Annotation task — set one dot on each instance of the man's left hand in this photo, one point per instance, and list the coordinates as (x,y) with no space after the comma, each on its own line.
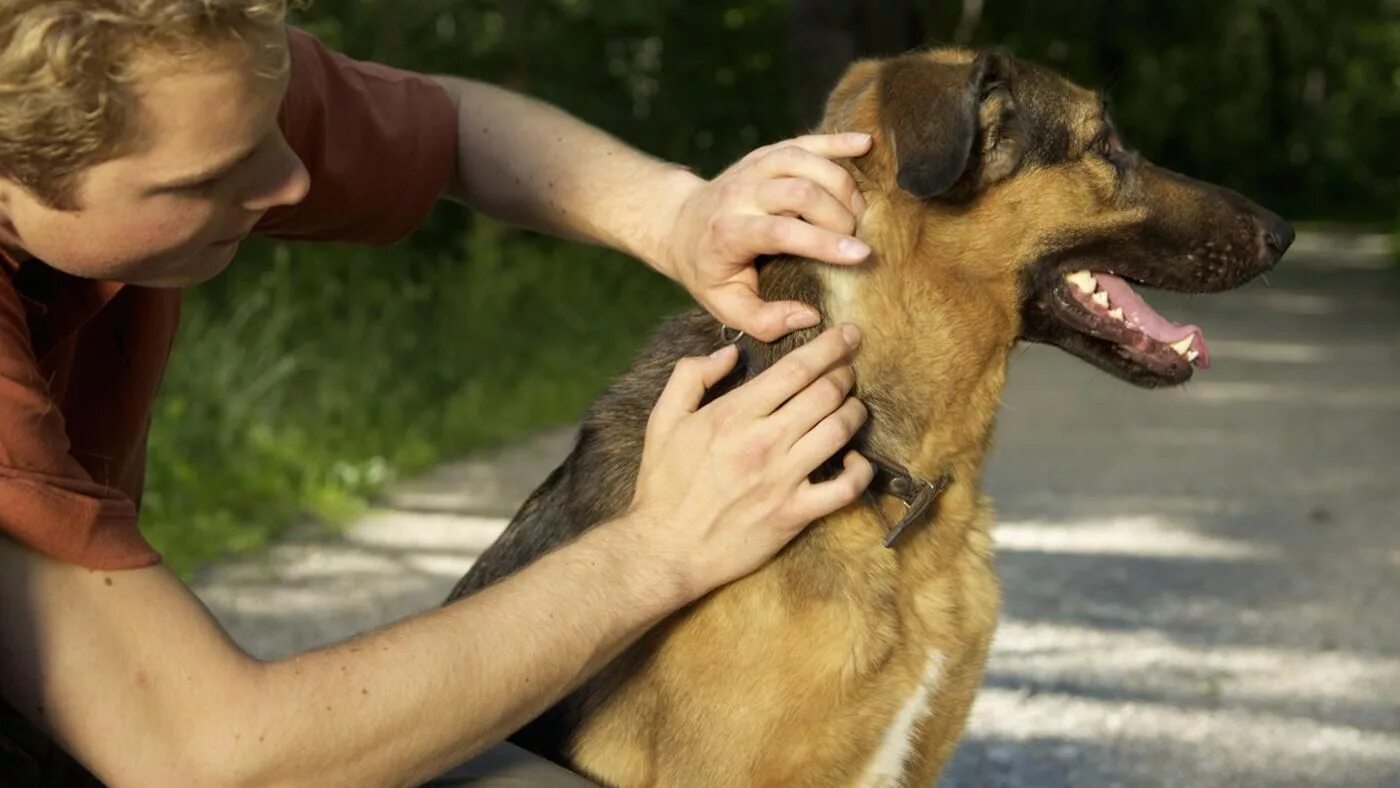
(786,198)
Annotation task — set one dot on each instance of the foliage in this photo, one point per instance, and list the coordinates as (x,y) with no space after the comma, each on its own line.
(300,385)
(1295,104)
(306,377)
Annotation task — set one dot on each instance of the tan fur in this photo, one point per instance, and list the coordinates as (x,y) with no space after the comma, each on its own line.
(791,676)
(938,306)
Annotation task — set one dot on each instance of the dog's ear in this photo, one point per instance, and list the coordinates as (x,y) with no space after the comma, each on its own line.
(930,110)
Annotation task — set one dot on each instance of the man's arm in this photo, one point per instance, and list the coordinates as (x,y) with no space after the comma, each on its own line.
(131,672)
(533,165)
(132,675)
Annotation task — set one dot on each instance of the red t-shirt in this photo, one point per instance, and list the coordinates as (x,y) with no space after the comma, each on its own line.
(81,360)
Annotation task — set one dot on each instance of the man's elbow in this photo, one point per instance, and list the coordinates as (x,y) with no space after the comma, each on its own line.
(456,188)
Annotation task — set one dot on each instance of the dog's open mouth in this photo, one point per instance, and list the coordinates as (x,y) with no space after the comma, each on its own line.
(1105,306)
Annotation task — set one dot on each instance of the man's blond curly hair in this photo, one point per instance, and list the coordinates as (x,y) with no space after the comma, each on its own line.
(66,72)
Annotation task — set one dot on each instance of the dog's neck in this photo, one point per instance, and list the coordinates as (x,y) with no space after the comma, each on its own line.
(931,410)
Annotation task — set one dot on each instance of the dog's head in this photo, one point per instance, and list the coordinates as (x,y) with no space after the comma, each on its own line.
(1008,185)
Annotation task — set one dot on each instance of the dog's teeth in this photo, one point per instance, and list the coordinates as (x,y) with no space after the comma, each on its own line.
(1182,345)
(1082,280)
(1192,355)
(1116,313)
(1101,298)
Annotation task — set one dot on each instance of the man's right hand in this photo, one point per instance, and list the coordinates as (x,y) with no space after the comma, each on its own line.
(722,488)
(129,672)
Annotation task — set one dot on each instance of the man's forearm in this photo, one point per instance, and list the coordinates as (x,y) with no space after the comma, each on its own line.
(533,165)
(395,706)
(443,686)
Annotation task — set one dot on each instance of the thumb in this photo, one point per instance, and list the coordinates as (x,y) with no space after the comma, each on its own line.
(691,378)
(739,307)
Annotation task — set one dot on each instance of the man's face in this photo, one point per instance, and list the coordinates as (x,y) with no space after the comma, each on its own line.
(209,161)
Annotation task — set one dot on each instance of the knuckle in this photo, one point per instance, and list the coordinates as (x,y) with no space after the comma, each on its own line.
(847,222)
(757,153)
(730,191)
(802,192)
(724,229)
(848,185)
(838,431)
(856,414)
(862,412)
(831,391)
(777,231)
(752,453)
(686,367)
(715,226)
(867,470)
(825,349)
(790,153)
(795,371)
(721,414)
(846,377)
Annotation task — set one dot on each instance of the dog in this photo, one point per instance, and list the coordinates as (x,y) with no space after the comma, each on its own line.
(1002,207)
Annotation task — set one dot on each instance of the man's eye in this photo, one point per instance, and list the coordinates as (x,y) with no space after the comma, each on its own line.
(203,187)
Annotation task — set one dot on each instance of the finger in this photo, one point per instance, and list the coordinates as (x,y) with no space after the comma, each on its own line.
(799,415)
(796,371)
(815,501)
(793,160)
(801,197)
(739,307)
(825,439)
(835,146)
(689,381)
(832,146)
(748,237)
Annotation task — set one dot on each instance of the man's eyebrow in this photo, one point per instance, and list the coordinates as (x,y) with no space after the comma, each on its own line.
(211,174)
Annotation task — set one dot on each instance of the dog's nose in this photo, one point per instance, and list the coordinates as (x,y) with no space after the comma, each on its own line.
(1278,234)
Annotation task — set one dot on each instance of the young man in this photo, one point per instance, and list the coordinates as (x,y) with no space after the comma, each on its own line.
(139,142)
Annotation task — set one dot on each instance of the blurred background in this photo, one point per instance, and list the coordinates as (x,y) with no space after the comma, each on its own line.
(1201,584)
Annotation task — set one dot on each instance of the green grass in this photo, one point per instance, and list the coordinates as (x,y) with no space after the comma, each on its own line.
(307,377)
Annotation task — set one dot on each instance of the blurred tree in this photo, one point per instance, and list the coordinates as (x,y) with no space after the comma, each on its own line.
(828,35)
(1296,103)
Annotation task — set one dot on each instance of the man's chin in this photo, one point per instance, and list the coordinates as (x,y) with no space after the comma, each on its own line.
(195,270)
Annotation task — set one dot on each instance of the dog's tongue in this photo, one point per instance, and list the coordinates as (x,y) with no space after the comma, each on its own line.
(1144,318)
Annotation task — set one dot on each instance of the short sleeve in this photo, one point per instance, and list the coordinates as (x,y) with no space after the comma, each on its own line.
(379,144)
(48,502)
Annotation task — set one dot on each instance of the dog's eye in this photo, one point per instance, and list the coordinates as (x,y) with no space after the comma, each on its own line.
(1106,147)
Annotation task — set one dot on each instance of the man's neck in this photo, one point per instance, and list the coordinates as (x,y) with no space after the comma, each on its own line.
(10,248)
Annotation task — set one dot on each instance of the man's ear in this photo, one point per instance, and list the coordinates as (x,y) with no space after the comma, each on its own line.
(930,110)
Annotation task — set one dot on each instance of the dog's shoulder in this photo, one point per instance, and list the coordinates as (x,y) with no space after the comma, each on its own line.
(595,482)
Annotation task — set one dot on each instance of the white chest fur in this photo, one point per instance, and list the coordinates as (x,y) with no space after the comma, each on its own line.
(886,767)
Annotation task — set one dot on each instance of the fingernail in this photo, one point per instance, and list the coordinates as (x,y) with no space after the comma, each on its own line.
(851,334)
(857,138)
(854,249)
(721,352)
(803,319)
(859,202)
